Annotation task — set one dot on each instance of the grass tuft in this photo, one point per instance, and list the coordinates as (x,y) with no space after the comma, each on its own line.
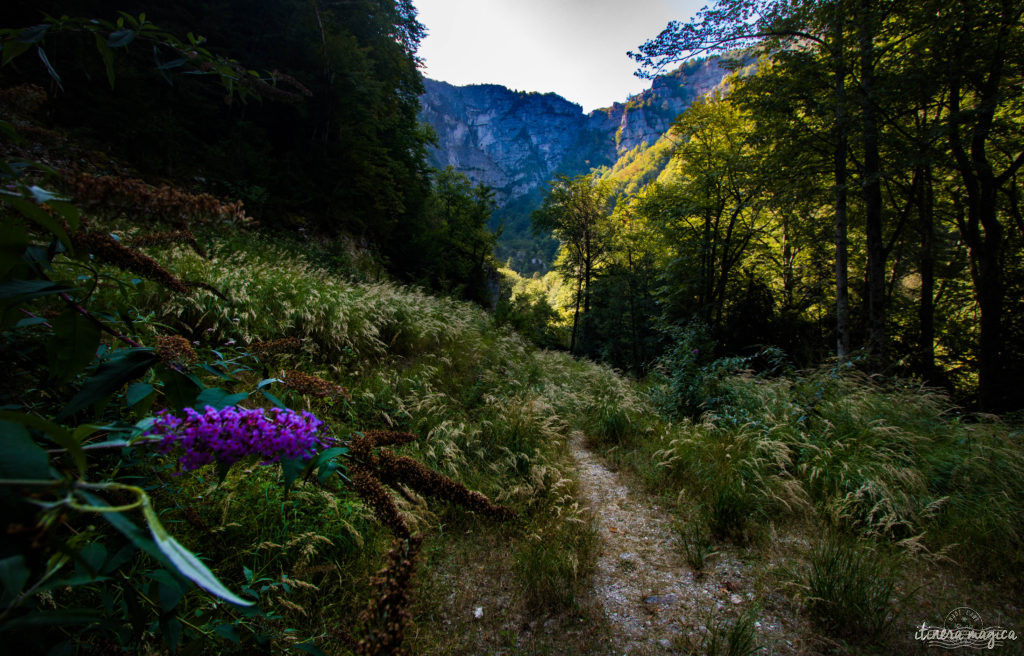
(851,590)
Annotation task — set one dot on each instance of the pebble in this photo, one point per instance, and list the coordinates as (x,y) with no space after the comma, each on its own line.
(662,599)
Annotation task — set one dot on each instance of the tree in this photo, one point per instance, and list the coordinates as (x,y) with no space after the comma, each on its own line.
(774,25)
(984,53)
(710,210)
(576,212)
(349,158)
(452,247)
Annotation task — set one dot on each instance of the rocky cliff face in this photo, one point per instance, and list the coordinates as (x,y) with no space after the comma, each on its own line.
(511,141)
(515,142)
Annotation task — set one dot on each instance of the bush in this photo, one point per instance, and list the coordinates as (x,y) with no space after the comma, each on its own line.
(688,376)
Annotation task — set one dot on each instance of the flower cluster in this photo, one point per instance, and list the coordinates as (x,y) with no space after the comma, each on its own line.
(168,238)
(23,99)
(387,616)
(228,434)
(282,345)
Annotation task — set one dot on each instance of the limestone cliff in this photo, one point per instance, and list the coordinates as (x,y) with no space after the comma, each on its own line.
(515,142)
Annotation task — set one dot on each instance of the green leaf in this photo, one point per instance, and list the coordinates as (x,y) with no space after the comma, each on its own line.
(218,398)
(13,577)
(42,195)
(20,456)
(126,365)
(108,57)
(179,389)
(128,529)
(37,214)
(93,556)
(291,468)
(22,290)
(185,562)
(227,631)
(325,462)
(273,399)
(137,392)
(50,68)
(218,373)
(309,648)
(73,345)
(120,38)
(53,617)
(33,34)
(13,48)
(169,596)
(13,240)
(174,63)
(58,434)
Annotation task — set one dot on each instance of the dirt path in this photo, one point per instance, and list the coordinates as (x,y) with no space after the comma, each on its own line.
(653,601)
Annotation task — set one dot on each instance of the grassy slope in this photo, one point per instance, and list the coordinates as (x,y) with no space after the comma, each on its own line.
(492,413)
(903,483)
(892,506)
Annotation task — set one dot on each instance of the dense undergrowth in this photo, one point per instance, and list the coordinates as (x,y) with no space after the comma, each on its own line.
(269,315)
(887,475)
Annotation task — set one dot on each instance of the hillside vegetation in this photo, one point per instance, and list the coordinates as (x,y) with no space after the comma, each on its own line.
(231,427)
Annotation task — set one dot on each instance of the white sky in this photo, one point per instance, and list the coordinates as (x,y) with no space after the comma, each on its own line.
(576,48)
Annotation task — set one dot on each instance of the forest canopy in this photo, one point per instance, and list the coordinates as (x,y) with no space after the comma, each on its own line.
(346,155)
(856,193)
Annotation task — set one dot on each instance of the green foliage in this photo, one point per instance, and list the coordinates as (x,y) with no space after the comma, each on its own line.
(697,544)
(555,578)
(453,247)
(736,638)
(85,387)
(576,212)
(687,378)
(888,461)
(333,146)
(851,590)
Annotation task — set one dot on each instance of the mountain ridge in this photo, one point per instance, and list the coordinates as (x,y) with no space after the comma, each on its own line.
(516,141)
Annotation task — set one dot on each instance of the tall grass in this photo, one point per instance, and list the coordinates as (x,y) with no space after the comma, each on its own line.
(491,412)
(895,462)
(851,590)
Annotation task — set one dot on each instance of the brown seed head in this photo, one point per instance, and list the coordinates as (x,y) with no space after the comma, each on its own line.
(175,349)
(312,385)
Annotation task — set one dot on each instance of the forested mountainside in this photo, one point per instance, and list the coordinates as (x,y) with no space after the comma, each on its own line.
(515,142)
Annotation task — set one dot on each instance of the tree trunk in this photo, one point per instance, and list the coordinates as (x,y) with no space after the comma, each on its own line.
(872,185)
(576,313)
(840,173)
(926,267)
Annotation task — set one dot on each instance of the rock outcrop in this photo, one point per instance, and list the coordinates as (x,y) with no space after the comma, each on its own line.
(515,142)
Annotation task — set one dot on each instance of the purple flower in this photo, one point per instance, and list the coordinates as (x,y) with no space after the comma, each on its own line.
(231,433)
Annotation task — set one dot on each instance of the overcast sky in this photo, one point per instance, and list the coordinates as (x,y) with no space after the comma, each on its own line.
(576,48)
